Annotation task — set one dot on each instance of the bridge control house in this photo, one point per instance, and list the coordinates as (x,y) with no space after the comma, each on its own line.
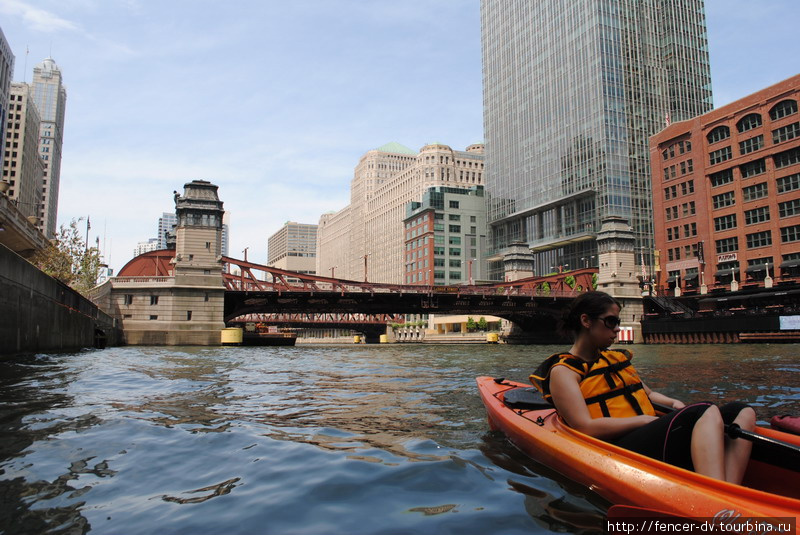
(726,189)
(183,304)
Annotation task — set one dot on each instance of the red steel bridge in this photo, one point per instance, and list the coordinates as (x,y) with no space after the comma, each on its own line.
(261,293)
(282,297)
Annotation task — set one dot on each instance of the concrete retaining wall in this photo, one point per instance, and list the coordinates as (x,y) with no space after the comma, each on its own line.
(38,313)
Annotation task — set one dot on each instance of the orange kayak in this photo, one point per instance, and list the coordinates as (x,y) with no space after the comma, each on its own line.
(627,478)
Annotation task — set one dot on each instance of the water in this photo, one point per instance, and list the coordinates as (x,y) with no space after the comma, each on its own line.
(310,439)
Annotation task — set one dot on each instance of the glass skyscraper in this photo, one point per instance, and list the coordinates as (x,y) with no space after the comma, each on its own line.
(573,89)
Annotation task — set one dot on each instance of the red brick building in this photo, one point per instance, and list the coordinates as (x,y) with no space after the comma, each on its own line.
(726,189)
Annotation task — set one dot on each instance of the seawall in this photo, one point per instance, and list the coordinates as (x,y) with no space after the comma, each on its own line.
(39,313)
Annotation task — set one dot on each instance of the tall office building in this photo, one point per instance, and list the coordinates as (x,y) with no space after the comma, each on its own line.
(23,168)
(50,97)
(166,224)
(6,73)
(573,89)
(366,240)
(294,248)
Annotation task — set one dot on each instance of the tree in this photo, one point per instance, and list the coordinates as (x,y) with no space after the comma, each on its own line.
(69,260)
(483,325)
(471,325)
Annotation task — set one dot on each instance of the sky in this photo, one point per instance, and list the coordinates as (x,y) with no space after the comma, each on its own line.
(276,102)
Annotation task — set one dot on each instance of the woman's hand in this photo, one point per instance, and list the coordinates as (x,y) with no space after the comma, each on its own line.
(677,404)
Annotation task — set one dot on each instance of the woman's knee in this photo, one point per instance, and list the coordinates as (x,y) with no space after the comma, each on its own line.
(746,419)
(711,419)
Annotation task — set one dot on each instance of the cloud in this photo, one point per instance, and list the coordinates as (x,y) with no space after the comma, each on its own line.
(36,18)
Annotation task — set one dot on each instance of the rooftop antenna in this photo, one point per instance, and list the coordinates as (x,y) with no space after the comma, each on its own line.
(25,70)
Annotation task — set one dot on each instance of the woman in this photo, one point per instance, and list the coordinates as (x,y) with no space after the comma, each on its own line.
(598,392)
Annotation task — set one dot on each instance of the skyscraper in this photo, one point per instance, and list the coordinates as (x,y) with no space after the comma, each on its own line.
(573,89)
(23,168)
(50,97)
(6,73)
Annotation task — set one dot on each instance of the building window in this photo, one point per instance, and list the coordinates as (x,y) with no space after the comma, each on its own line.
(785,133)
(728,245)
(723,199)
(789,183)
(782,109)
(453,204)
(455,275)
(455,263)
(153,317)
(454,240)
(721,178)
(759,239)
(153,299)
(753,168)
(438,275)
(789,208)
(188,315)
(748,122)
(790,234)
(718,134)
(454,217)
(789,157)
(758,215)
(455,251)
(725,222)
(128,299)
(454,228)
(720,155)
(753,144)
(752,193)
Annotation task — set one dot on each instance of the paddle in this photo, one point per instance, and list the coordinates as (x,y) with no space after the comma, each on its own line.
(765,449)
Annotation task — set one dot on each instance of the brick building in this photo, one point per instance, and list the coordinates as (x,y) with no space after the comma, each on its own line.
(726,188)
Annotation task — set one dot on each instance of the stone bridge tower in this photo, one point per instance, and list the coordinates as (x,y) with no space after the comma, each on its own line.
(186,305)
(617,274)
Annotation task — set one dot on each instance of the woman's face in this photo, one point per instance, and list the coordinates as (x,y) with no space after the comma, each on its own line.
(602,329)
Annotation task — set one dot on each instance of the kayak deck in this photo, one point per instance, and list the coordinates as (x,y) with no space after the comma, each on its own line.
(625,477)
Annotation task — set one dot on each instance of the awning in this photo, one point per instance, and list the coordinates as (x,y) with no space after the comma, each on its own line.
(755,268)
(726,272)
(691,276)
(672,279)
(790,263)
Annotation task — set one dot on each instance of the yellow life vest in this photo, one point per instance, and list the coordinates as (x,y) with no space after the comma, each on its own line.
(610,385)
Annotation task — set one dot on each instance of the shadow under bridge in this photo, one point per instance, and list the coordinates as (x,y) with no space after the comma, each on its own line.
(533,305)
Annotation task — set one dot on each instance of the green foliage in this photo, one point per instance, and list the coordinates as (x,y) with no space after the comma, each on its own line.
(594,281)
(483,325)
(545,288)
(569,280)
(69,260)
(471,325)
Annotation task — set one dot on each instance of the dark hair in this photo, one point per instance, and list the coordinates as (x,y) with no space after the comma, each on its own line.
(594,304)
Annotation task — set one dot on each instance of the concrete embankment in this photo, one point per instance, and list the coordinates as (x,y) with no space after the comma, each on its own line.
(39,313)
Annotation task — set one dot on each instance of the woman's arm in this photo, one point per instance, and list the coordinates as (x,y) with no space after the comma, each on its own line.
(661,399)
(568,399)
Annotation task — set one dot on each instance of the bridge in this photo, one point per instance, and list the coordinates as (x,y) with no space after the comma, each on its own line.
(254,292)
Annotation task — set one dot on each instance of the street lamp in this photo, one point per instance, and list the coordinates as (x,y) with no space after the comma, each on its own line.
(469,270)
(365,265)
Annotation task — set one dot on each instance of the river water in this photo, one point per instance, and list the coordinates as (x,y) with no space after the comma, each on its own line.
(385,439)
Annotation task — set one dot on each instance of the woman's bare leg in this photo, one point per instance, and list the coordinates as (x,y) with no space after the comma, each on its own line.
(737,451)
(708,444)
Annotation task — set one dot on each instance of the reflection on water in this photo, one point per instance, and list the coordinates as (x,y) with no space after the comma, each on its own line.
(351,439)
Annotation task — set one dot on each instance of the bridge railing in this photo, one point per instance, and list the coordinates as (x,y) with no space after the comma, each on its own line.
(140,280)
(566,284)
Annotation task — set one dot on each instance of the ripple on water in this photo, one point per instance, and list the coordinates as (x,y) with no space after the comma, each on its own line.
(367,440)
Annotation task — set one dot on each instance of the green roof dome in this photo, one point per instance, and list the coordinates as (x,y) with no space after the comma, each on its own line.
(396,148)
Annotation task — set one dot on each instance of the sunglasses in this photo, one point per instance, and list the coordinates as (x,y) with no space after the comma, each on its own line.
(612,322)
